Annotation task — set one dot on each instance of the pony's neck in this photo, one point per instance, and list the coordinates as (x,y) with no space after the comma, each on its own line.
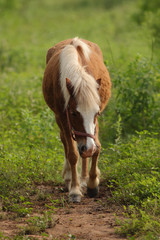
(84,85)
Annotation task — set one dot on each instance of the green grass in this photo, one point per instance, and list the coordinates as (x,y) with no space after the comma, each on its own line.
(131,169)
(30,147)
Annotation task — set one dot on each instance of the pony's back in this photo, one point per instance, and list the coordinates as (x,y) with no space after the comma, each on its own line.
(87,55)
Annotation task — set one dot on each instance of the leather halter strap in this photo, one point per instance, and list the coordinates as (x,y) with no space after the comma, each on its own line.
(75,133)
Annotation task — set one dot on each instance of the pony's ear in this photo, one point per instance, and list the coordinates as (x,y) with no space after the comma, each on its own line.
(69,86)
(99,83)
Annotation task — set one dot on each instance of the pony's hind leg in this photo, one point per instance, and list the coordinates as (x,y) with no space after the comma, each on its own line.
(67,176)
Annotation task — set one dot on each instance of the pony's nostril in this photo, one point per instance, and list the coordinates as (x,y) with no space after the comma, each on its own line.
(83,148)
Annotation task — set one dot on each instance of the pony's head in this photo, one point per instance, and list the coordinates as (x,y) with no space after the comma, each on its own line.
(82,111)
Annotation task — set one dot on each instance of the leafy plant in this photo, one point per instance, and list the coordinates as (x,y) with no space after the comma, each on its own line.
(138,223)
(137,99)
(38,224)
(17,205)
(131,171)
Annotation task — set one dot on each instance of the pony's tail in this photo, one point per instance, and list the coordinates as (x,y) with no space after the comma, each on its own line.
(81,47)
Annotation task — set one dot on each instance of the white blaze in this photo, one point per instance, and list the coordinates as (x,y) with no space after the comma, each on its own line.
(89,125)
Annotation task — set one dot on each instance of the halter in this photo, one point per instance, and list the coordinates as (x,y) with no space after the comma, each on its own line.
(75,133)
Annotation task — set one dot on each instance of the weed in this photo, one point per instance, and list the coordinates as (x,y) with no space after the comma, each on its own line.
(133,177)
(18,206)
(41,196)
(138,223)
(3,237)
(71,237)
(137,97)
(38,224)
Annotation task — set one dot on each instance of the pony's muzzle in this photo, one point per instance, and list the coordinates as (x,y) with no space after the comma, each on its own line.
(85,152)
(82,148)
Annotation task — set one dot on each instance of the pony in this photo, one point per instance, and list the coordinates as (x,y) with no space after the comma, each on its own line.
(77,87)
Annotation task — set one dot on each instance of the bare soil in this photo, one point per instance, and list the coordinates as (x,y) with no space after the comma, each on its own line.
(92,219)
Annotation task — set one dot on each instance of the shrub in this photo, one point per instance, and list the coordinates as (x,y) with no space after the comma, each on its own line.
(131,169)
(137,96)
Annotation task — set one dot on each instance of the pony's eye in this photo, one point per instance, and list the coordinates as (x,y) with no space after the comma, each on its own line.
(74,114)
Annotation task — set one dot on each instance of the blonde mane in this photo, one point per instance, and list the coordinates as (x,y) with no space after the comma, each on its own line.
(85,86)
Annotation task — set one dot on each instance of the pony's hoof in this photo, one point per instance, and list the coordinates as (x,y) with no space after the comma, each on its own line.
(92,192)
(74,198)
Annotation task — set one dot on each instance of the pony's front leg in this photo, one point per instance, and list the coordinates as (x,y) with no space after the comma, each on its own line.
(70,166)
(84,173)
(94,174)
(70,169)
(66,169)
(74,192)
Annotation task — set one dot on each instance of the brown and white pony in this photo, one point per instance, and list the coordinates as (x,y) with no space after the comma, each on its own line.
(77,87)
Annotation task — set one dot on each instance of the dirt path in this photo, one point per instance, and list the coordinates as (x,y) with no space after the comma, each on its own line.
(92,219)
